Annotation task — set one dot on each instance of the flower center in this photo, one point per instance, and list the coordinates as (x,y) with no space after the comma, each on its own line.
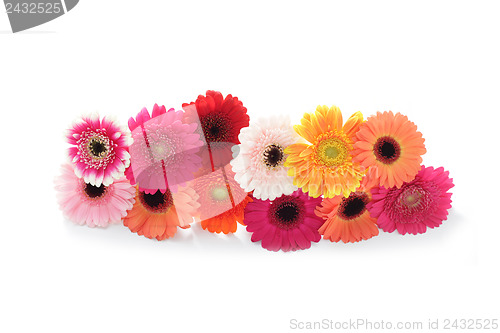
(220,193)
(97,147)
(94,192)
(387,150)
(410,204)
(215,128)
(158,202)
(286,212)
(414,197)
(332,151)
(273,155)
(160,151)
(353,206)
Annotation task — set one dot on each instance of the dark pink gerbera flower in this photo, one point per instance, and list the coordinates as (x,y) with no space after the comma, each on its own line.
(100,150)
(287,223)
(420,204)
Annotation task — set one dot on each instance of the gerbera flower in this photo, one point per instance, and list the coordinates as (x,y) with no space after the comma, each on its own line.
(164,152)
(221,120)
(259,166)
(347,219)
(325,166)
(222,201)
(415,206)
(100,150)
(390,146)
(158,215)
(287,223)
(84,203)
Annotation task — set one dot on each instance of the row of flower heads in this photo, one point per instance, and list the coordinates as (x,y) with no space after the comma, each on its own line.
(287,185)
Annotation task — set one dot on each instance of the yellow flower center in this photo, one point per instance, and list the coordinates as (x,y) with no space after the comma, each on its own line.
(332,152)
(220,193)
(332,149)
(160,151)
(411,197)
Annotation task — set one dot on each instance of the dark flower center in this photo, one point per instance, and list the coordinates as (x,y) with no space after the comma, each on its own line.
(94,191)
(97,147)
(286,212)
(158,202)
(353,206)
(215,128)
(387,150)
(273,155)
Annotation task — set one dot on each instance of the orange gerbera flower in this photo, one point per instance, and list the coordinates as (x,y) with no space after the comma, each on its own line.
(325,167)
(158,215)
(347,219)
(222,201)
(391,147)
(226,222)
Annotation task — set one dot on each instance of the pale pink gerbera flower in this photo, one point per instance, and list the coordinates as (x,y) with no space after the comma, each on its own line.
(419,204)
(84,203)
(258,164)
(99,151)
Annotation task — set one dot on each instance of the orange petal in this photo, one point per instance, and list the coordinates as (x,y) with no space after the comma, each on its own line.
(337,120)
(296,148)
(306,152)
(304,132)
(352,124)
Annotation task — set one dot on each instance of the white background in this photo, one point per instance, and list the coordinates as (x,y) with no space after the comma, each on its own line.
(437,62)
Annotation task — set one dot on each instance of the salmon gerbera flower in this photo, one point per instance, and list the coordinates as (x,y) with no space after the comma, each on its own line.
(158,215)
(222,201)
(415,206)
(347,219)
(325,167)
(391,147)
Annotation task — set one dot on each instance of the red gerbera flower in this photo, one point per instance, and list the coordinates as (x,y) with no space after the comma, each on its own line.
(221,120)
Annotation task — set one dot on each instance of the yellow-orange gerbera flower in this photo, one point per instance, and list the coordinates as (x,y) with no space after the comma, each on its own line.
(347,219)
(158,215)
(391,147)
(325,166)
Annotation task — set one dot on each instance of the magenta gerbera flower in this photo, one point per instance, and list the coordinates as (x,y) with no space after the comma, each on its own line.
(99,151)
(83,203)
(420,204)
(164,152)
(287,223)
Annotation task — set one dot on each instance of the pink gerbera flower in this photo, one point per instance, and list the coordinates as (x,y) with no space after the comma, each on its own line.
(420,204)
(84,203)
(287,223)
(164,152)
(99,151)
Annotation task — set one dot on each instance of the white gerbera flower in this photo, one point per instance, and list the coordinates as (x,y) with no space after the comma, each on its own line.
(258,160)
